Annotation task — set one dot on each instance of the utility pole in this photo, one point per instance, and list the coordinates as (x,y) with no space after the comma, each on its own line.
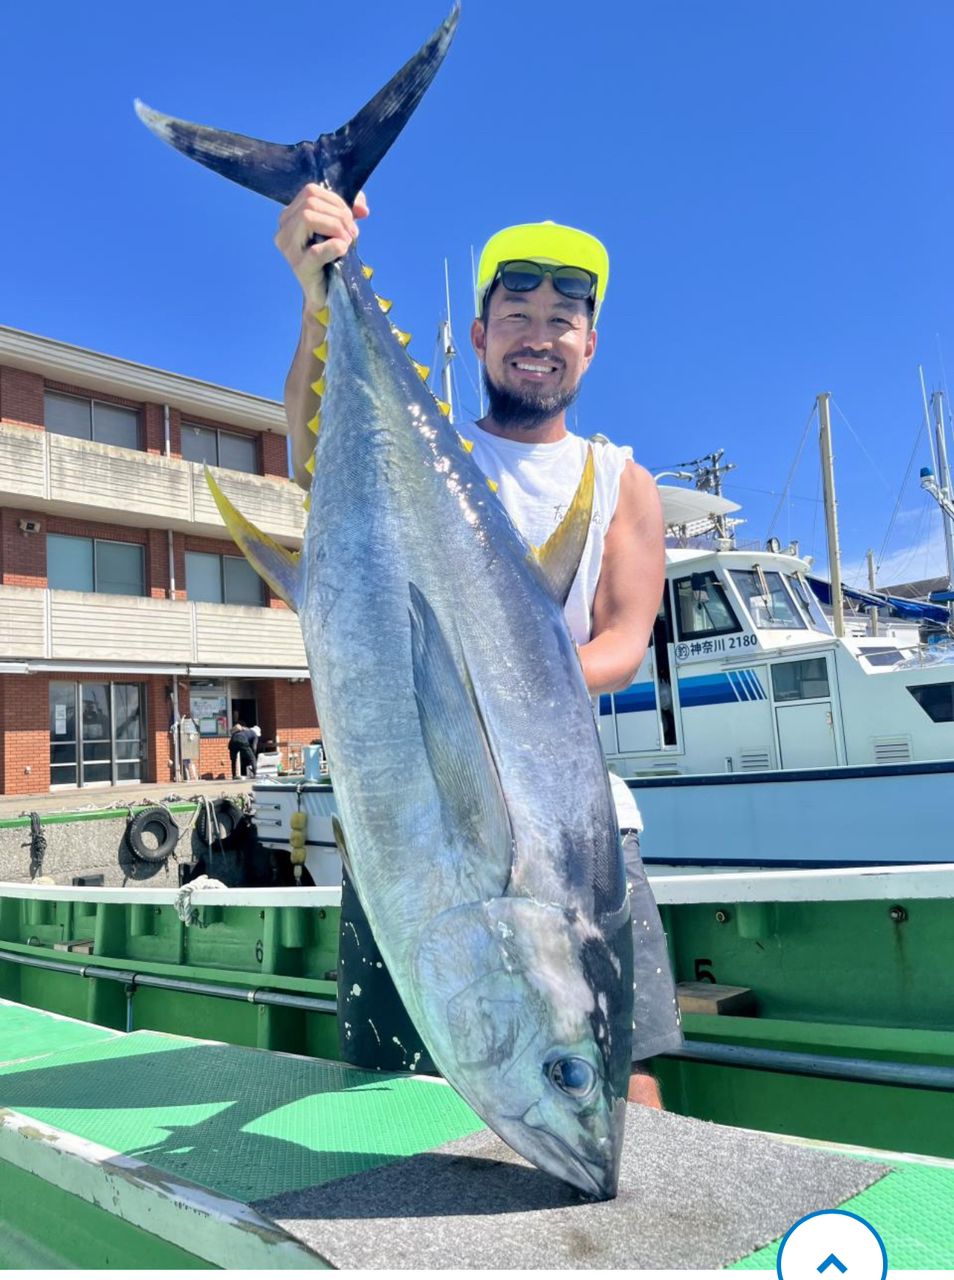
(831,513)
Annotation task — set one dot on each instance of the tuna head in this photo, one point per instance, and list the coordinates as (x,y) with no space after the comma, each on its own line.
(515,998)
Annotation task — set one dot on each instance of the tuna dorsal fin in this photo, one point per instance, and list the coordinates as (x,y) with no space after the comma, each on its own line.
(276,564)
(476,820)
(559,557)
(342,160)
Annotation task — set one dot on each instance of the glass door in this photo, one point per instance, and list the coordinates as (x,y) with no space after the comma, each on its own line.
(97,733)
(96,745)
(129,732)
(64,757)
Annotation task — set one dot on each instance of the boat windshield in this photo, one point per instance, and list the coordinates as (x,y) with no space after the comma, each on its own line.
(807,599)
(767,600)
(702,607)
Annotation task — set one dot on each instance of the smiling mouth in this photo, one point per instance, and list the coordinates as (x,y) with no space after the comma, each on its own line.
(535,368)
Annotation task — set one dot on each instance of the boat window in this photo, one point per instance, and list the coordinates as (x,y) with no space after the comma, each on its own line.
(702,607)
(882,657)
(770,605)
(809,602)
(937,700)
(794,681)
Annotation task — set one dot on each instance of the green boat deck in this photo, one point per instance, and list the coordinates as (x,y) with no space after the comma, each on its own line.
(149,1150)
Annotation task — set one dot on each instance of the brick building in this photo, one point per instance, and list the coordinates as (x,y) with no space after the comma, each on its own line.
(122,599)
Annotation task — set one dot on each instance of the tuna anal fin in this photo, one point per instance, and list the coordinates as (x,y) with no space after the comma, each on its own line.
(559,557)
(475,812)
(276,564)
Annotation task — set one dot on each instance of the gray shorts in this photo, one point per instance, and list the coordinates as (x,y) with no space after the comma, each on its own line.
(656,1023)
(374,1029)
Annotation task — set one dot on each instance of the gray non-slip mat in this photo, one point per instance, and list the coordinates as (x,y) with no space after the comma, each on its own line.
(692,1195)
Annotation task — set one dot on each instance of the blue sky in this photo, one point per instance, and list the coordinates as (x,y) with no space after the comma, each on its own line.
(773,181)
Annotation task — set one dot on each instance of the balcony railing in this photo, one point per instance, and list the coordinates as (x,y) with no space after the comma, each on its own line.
(81,477)
(76,626)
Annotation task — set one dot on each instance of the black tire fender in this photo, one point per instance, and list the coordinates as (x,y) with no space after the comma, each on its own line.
(161,825)
(227,817)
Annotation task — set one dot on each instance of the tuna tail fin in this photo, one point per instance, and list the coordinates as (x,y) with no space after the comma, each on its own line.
(342,160)
(280,567)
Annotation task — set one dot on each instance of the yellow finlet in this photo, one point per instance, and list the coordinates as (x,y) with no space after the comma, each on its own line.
(323,316)
(321,352)
(310,465)
(367,271)
(319,386)
(466,445)
(384,303)
(307,503)
(492,485)
(445,410)
(422,369)
(402,337)
(314,424)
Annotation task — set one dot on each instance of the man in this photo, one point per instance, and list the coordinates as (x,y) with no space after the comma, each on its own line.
(540,287)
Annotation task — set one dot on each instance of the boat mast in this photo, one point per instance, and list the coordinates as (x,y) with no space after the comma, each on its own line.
(944,479)
(448,351)
(831,513)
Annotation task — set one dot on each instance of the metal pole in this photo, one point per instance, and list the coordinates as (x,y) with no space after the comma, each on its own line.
(873,610)
(447,350)
(831,513)
(906,1074)
(944,482)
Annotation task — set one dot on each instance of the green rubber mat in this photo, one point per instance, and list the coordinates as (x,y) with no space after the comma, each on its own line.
(912,1209)
(30,1033)
(241,1121)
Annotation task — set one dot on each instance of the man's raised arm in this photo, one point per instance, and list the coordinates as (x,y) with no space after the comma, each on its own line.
(315,211)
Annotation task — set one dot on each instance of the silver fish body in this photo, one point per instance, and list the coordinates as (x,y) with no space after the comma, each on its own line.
(469,777)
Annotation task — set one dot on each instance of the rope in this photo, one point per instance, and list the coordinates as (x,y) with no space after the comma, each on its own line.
(37,843)
(791,473)
(186,912)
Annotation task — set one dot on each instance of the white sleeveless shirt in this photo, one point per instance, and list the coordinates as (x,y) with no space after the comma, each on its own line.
(536,484)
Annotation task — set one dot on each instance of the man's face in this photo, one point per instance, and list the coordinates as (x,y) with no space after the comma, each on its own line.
(535,348)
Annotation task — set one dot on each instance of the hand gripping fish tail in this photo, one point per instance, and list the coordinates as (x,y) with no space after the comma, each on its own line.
(485,855)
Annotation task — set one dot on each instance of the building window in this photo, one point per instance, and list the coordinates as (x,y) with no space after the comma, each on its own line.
(702,607)
(222,579)
(91,420)
(93,564)
(219,448)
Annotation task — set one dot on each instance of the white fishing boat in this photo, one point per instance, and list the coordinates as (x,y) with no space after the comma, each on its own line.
(756,732)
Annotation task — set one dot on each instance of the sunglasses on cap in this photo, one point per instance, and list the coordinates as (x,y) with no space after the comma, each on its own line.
(523,276)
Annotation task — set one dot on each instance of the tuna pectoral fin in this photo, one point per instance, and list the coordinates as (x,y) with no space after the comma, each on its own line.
(559,557)
(475,815)
(276,564)
(342,160)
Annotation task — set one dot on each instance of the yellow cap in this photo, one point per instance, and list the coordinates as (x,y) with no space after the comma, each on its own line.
(547,242)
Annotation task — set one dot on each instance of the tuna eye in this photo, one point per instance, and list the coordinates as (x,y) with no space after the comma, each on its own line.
(573,1076)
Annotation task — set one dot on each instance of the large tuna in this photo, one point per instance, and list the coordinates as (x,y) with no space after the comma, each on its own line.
(468,773)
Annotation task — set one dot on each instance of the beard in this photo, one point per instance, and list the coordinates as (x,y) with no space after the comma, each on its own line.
(527,409)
